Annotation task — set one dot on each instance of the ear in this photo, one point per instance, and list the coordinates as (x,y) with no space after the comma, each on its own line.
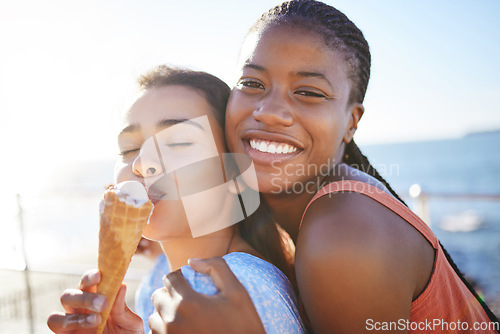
(356,111)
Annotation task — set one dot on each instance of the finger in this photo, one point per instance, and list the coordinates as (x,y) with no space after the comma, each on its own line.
(175,283)
(90,280)
(119,306)
(77,301)
(61,323)
(220,273)
(156,324)
(162,299)
(120,313)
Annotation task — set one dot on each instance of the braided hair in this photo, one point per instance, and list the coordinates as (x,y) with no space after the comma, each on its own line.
(337,31)
(341,34)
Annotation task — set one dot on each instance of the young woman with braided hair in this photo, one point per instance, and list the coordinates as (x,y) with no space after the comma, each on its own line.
(364,262)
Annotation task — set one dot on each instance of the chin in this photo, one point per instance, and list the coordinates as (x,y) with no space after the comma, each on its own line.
(270,185)
(161,231)
(149,233)
(280,186)
(154,229)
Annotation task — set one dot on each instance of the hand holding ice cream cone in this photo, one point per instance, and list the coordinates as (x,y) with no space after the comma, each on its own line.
(125,211)
(90,304)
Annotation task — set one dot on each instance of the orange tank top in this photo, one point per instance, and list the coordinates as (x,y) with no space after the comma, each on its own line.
(446,305)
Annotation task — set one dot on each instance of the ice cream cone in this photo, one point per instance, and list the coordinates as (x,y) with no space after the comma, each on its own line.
(121,225)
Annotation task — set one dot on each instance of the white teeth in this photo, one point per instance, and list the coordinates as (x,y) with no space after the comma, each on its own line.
(271,146)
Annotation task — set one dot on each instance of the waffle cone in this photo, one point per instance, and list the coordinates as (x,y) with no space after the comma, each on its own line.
(121,227)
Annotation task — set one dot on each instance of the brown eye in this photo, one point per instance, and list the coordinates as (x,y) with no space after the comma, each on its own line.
(309,93)
(250,84)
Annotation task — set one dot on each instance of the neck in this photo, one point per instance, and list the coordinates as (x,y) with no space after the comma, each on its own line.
(287,210)
(179,250)
(288,207)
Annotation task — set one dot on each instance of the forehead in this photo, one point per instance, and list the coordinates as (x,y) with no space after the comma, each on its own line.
(168,102)
(293,46)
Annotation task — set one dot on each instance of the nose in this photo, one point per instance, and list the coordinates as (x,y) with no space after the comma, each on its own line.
(274,109)
(147,163)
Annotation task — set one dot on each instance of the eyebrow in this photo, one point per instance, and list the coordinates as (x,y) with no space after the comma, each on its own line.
(255,67)
(169,122)
(165,123)
(304,74)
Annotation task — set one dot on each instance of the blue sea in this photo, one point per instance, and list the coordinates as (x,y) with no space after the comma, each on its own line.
(468,225)
(61,220)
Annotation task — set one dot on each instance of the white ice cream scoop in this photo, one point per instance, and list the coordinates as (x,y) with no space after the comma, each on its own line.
(132,193)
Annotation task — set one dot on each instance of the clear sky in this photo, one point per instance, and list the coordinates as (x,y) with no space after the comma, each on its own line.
(67,68)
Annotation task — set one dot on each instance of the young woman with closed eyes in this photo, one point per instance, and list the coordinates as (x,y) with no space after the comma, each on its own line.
(173,142)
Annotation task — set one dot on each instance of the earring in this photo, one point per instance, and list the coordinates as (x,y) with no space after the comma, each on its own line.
(151,171)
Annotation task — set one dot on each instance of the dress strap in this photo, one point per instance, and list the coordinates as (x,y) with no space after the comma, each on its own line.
(383,198)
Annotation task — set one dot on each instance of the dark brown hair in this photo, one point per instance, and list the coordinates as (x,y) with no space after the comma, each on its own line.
(215,90)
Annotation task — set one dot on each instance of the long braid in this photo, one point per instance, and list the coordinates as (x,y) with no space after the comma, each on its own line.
(354,158)
(342,35)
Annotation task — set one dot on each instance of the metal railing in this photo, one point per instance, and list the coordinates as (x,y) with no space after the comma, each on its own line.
(21,305)
(422,198)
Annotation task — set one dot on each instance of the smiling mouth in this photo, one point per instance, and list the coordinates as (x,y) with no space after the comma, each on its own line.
(273,147)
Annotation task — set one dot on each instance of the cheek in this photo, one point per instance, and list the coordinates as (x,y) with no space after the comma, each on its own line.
(326,131)
(167,221)
(336,138)
(235,115)
(239,107)
(123,171)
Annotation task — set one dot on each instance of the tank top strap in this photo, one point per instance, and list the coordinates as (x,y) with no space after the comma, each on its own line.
(383,198)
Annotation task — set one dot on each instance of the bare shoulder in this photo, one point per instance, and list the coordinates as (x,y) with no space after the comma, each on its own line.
(342,223)
(350,223)
(355,253)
